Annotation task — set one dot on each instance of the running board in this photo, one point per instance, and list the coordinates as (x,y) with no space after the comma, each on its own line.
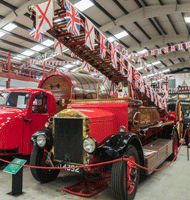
(156,152)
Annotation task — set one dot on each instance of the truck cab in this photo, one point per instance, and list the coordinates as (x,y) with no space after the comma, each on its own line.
(26,111)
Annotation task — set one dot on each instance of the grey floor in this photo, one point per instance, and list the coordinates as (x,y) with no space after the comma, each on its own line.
(172,183)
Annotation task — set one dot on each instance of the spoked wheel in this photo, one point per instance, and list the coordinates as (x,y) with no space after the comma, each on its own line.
(179,119)
(39,158)
(175,146)
(125,175)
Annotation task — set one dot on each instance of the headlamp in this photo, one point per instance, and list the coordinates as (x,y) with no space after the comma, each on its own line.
(122,129)
(89,145)
(41,140)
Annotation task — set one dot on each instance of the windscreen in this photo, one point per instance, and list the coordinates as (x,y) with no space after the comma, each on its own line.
(18,100)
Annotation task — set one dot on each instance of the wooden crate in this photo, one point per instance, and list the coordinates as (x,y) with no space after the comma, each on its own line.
(156,152)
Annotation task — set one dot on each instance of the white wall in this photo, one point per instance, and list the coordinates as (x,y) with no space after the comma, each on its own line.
(17,83)
(180,78)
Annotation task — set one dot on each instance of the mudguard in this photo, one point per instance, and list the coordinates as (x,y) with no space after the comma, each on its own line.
(168,133)
(44,131)
(117,144)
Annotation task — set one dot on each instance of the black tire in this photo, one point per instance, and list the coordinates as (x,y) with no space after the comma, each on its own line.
(119,176)
(175,146)
(38,158)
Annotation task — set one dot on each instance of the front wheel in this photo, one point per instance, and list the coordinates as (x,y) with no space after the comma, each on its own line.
(125,175)
(39,158)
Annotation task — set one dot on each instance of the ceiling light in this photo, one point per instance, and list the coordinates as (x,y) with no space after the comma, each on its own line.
(68,66)
(58,20)
(166,70)
(121,34)
(83,5)
(111,39)
(9,27)
(2,33)
(150,75)
(65,49)
(187,19)
(139,68)
(38,47)
(28,53)
(142,51)
(48,42)
(19,57)
(155,63)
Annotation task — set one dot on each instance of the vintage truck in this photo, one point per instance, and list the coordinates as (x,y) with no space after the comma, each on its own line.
(28,109)
(95,131)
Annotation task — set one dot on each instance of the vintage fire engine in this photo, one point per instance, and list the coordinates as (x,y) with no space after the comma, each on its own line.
(103,130)
(94,131)
(28,109)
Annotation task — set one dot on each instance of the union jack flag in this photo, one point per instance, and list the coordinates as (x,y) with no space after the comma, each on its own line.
(146,54)
(114,47)
(180,47)
(147,92)
(73,55)
(159,51)
(137,78)
(129,75)
(141,85)
(85,65)
(122,64)
(89,34)
(125,52)
(73,19)
(103,46)
(36,35)
(172,48)
(145,66)
(187,45)
(152,52)
(166,49)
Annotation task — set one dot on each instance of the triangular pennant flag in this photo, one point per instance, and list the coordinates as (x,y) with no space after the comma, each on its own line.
(58,47)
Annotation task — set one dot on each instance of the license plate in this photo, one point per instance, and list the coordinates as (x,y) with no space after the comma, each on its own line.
(76,170)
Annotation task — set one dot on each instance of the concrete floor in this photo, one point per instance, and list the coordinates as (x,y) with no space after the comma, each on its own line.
(170,184)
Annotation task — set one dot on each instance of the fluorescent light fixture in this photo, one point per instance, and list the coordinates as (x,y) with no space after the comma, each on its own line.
(38,47)
(150,75)
(68,66)
(9,27)
(19,57)
(142,51)
(187,19)
(58,20)
(65,49)
(121,34)
(139,68)
(48,42)
(155,63)
(166,70)
(83,5)
(2,33)
(111,39)
(28,53)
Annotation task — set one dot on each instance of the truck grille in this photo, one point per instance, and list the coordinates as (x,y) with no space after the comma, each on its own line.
(68,140)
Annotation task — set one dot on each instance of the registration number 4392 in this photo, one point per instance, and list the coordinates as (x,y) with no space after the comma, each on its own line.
(71,169)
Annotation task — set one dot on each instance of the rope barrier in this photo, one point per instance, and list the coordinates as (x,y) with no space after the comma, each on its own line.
(102,163)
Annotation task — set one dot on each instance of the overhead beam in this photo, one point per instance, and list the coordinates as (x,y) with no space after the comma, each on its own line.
(179,65)
(145,13)
(160,40)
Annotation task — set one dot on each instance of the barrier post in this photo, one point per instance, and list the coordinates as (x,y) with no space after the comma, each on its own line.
(17,176)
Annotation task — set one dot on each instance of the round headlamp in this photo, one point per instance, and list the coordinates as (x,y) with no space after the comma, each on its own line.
(122,129)
(89,145)
(41,140)
(46,124)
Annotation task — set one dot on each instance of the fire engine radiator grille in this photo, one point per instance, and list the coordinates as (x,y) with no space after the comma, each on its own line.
(68,140)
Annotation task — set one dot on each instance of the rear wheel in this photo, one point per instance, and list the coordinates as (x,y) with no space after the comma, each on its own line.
(125,175)
(39,158)
(175,146)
